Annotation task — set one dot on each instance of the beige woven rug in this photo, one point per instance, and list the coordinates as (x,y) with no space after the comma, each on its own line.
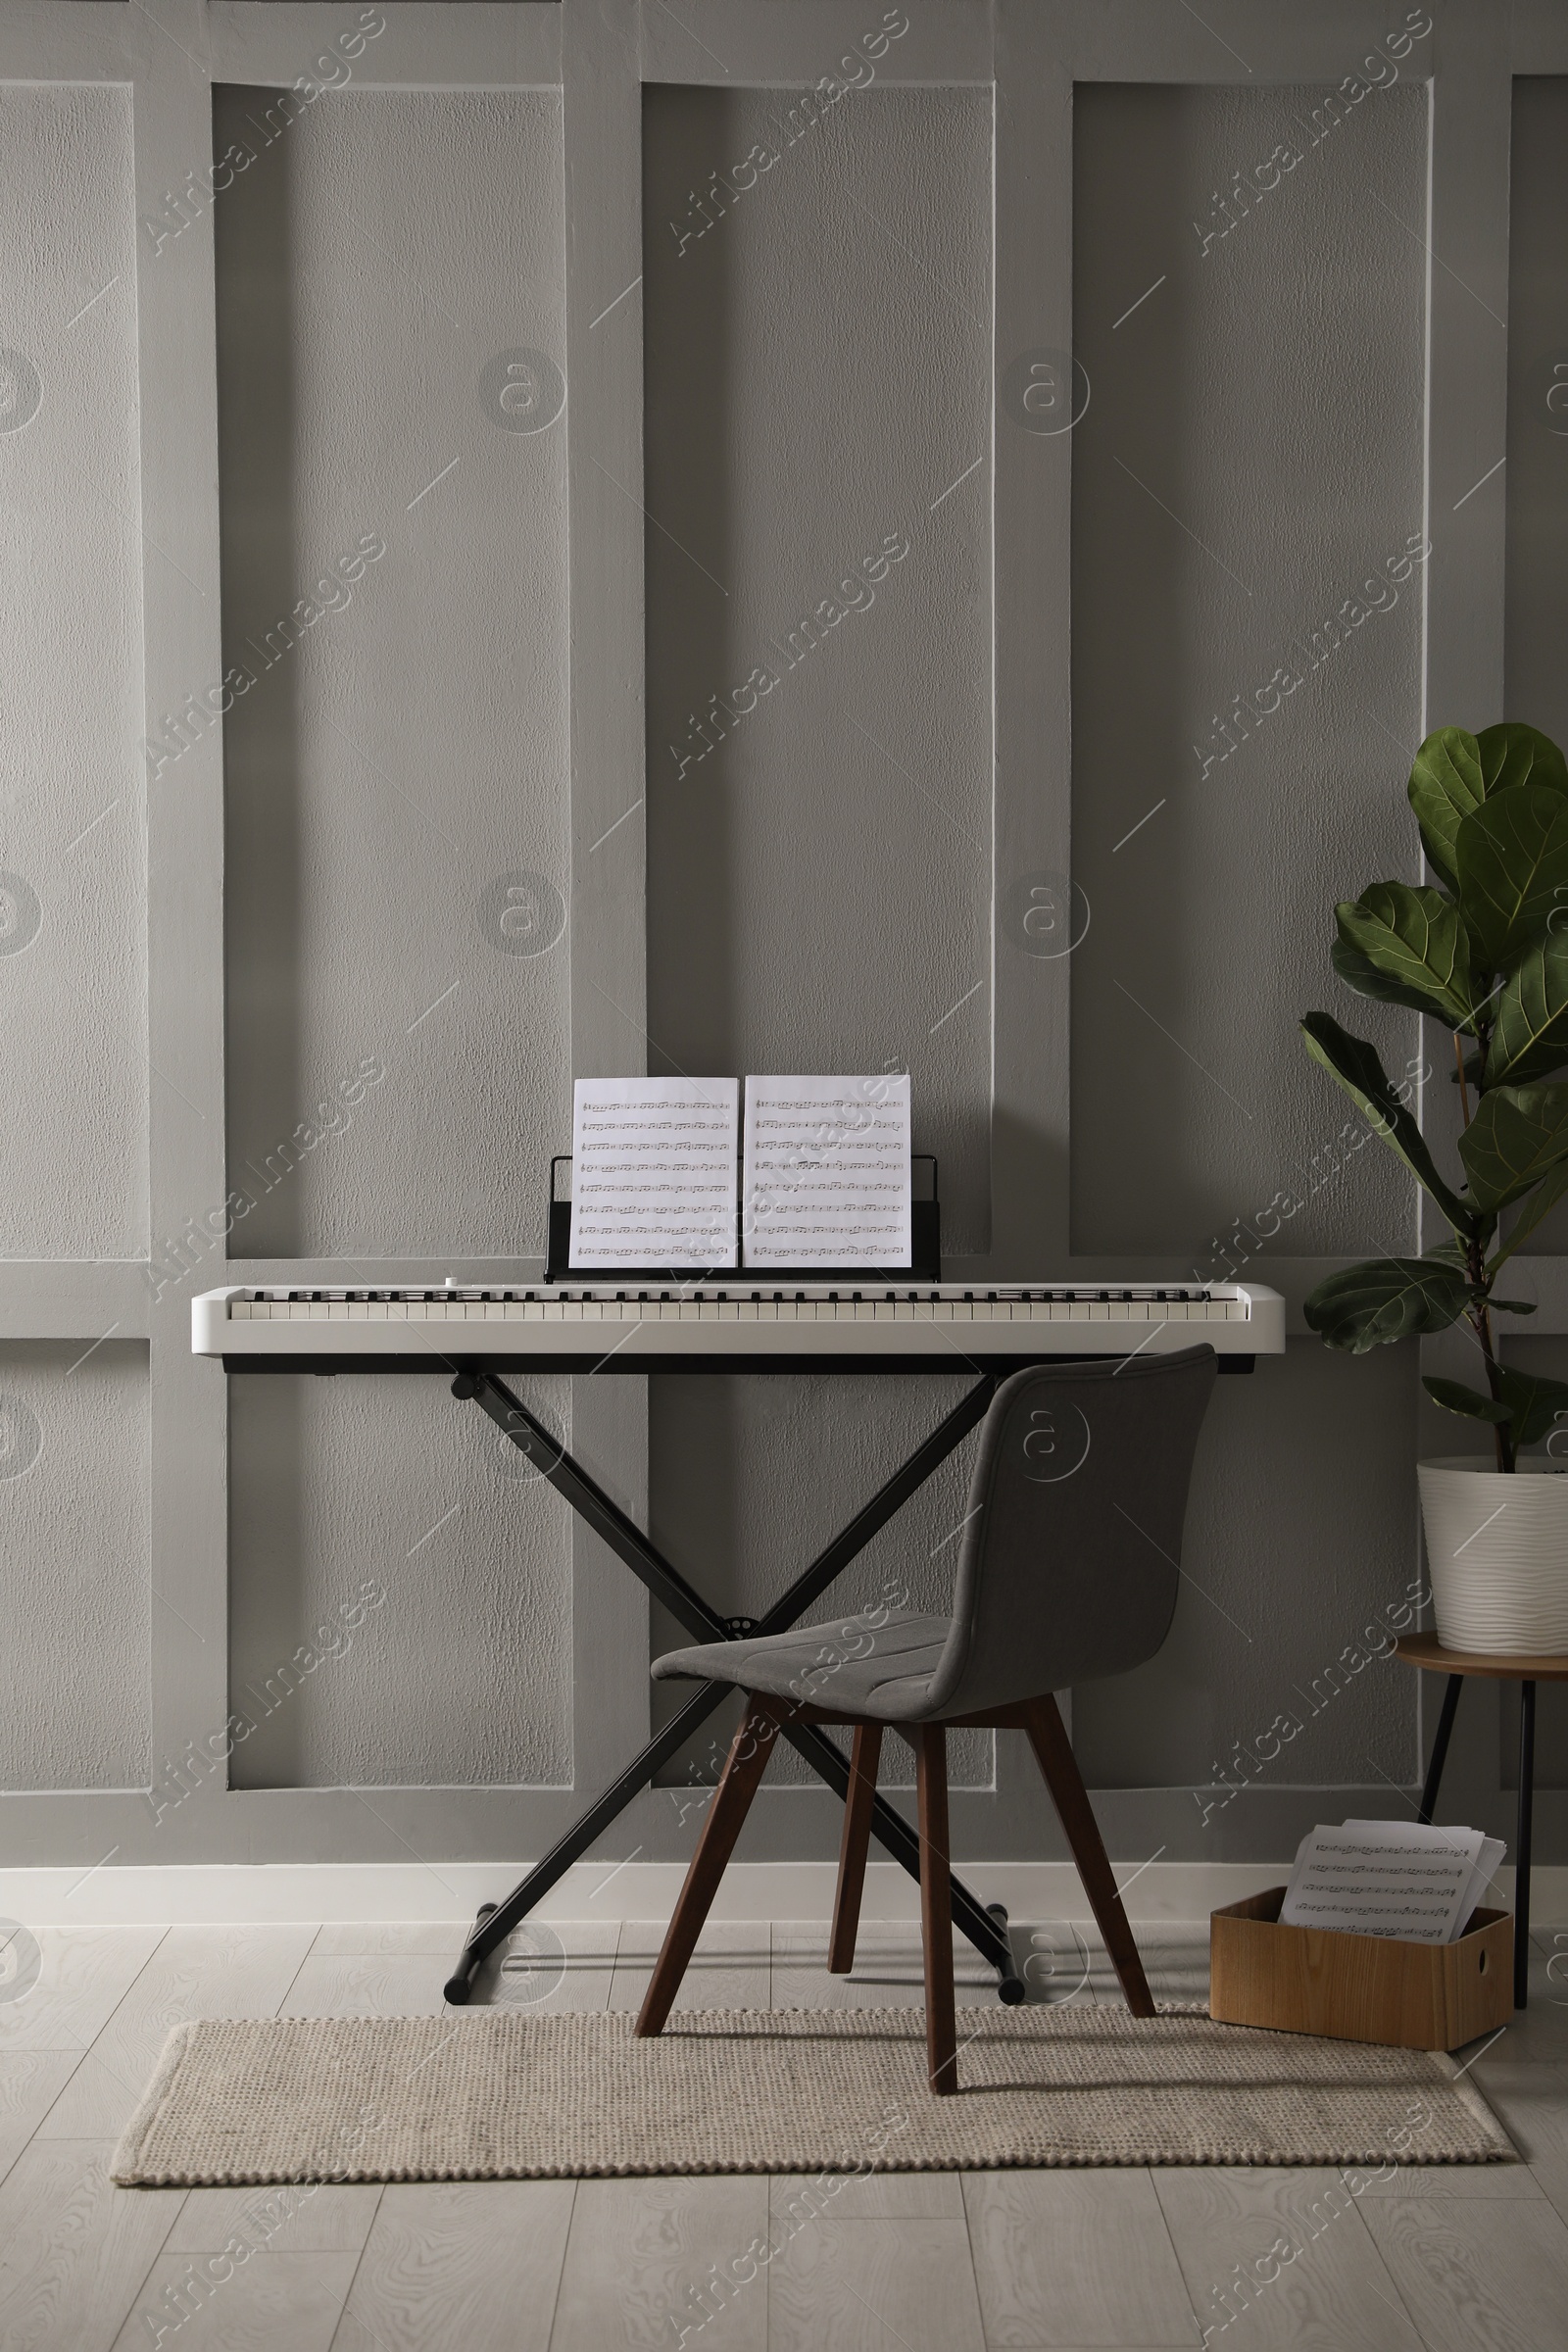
(493,2094)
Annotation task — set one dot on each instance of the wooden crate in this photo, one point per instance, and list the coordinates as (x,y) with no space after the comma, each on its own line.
(1419,1996)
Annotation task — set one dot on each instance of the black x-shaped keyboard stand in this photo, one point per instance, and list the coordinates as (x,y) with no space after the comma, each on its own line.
(985,1928)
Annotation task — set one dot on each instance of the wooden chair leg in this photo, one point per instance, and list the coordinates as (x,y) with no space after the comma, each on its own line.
(744,1768)
(1048,1736)
(865,1757)
(936,1908)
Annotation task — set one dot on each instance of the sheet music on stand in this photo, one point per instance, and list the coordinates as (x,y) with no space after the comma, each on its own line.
(827,1172)
(654,1172)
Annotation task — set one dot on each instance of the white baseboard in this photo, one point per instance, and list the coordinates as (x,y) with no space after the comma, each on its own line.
(296,1892)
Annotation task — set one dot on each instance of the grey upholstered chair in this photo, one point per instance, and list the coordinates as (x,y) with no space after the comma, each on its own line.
(1068,1572)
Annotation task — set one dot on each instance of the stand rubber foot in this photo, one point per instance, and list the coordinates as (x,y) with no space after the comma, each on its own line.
(458,1988)
(1011,1989)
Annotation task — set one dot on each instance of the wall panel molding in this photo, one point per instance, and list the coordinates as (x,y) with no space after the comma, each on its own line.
(1027,56)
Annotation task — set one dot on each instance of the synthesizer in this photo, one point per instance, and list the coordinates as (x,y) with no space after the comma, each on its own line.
(740,1324)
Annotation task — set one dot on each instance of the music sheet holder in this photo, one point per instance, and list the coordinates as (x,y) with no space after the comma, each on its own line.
(925,1252)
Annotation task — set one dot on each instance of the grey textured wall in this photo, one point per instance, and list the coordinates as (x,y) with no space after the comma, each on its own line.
(461,1672)
(72,890)
(410,750)
(1252,454)
(73,1493)
(441,854)
(1538,407)
(817,379)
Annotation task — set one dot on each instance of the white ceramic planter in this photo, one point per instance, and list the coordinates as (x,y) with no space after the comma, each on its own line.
(1497,1550)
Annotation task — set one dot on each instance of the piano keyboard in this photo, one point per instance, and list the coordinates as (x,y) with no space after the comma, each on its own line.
(574,1326)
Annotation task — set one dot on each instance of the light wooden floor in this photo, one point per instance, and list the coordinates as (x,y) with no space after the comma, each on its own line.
(1451,2259)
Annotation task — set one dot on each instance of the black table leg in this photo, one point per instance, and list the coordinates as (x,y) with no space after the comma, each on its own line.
(648,1564)
(1440,1747)
(496,1921)
(1521,1853)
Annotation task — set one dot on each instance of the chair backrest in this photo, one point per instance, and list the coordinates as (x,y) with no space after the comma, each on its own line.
(1071,1554)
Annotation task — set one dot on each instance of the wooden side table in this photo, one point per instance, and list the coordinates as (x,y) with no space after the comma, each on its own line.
(1426,1651)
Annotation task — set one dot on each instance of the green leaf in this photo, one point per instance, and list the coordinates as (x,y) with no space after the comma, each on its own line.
(1357,1067)
(1415,938)
(1511,1307)
(1456,1398)
(1514,754)
(1528,1405)
(1359,972)
(1534,1403)
(1518,1135)
(1544,1198)
(1511,861)
(1446,786)
(1386,1299)
(1531,1036)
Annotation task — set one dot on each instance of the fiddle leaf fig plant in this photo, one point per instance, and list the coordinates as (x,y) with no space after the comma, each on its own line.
(1483,951)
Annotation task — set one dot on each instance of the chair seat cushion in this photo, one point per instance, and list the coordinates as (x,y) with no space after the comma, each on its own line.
(853,1668)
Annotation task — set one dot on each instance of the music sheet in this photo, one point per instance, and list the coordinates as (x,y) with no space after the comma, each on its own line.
(827,1172)
(1489,1861)
(653,1173)
(1388,1878)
